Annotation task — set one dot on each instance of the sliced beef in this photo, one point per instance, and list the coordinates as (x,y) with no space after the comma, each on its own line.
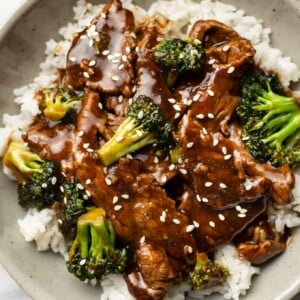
(102,56)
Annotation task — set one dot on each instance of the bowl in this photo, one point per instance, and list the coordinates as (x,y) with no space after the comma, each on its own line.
(43,275)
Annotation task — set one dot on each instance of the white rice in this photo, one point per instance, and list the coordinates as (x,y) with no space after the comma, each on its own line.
(42,226)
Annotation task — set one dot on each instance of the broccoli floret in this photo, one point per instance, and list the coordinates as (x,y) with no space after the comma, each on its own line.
(175,57)
(58,102)
(145,124)
(206,273)
(270,120)
(75,203)
(38,179)
(93,253)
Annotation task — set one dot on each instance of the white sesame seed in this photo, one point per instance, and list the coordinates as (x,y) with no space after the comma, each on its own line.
(230,70)
(100,105)
(183,171)
(222,185)
(163,216)
(85,197)
(190,228)
(221,217)
(110,57)
(88,181)
(215,141)
(129,156)
(115,61)
(196,224)
(172,100)
(91,43)
(92,63)
(86,75)
(72,58)
(86,145)
(208,184)
(118,54)
(108,181)
(115,78)
(200,116)
(140,114)
(139,133)
(189,249)
(82,262)
(44,185)
(61,188)
(210,93)
(204,130)
(124,58)
(243,210)
(227,157)
(137,49)
(105,52)
(142,239)
(103,15)
(204,199)
(211,61)
(177,107)
(90,150)
(248,186)
(125,196)
(238,207)
(127,49)
(164,178)
(80,133)
(172,167)
(176,221)
(211,116)
(119,138)
(133,35)
(197,41)
(189,145)
(117,207)
(177,115)
(196,97)
(60,221)
(198,197)
(80,186)
(115,199)
(88,193)
(242,215)
(224,150)
(226,48)
(212,224)
(121,67)
(53,180)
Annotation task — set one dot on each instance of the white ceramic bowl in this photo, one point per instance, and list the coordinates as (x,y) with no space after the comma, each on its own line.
(44,275)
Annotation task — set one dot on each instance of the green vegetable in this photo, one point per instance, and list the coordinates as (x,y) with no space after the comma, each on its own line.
(207,274)
(93,253)
(270,120)
(38,179)
(57,102)
(145,124)
(175,57)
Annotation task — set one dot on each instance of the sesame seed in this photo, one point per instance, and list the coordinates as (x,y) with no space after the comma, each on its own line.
(210,115)
(208,184)
(248,186)
(118,54)
(210,93)
(44,185)
(103,15)
(212,224)
(156,160)
(125,196)
(242,215)
(86,145)
(172,100)
(127,49)
(183,171)
(88,193)
(100,105)
(204,199)
(53,180)
(137,49)
(226,48)
(142,239)
(163,216)
(224,150)
(177,107)
(88,181)
(221,217)
(60,221)
(198,197)
(176,221)
(204,130)
(91,43)
(133,35)
(197,41)
(140,114)
(196,224)
(164,178)
(139,133)
(189,145)
(172,167)
(72,58)
(211,61)
(124,58)
(82,262)
(85,197)
(61,188)
(129,156)
(200,116)
(80,186)
(177,115)
(115,61)
(90,150)
(188,249)
(121,67)
(222,185)
(81,133)
(108,181)
(119,138)
(196,97)
(110,57)
(230,70)
(117,207)
(227,157)
(238,207)
(115,78)
(115,199)
(190,228)
(215,141)
(86,75)
(105,52)
(92,63)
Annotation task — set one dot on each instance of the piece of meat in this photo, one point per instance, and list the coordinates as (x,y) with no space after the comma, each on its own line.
(102,56)
(260,242)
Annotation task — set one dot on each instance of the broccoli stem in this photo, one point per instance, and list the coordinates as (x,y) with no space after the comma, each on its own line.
(127,139)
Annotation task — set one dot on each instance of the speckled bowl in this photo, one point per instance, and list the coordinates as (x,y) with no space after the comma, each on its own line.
(44,275)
